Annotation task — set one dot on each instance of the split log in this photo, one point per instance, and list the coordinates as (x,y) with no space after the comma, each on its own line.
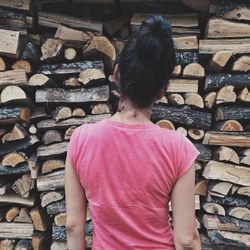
(225,94)
(69,68)
(51,136)
(2,65)
(38,113)
(51,165)
(60,220)
(59,95)
(183,116)
(11,214)
(226,154)
(51,49)
(32,129)
(182,86)
(9,43)
(219,80)
(31,53)
(68,34)
(242,64)
(176,99)
(4,188)
(215,170)
(22,64)
(13,77)
(163,100)
(186,43)
(244,95)
(39,218)
(234,189)
(50,20)
(58,233)
(23,216)
(14,95)
(78,112)
(182,130)
(229,126)
(209,99)
(33,166)
(56,207)
(211,46)
(219,60)
(40,80)
(40,240)
(17,199)
(70,54)
(213,208)
(24,185)
(244,191)
(22,168)
(245,151)
(16,230)
(241,213)
(166,124)
(230,238)
(221,28)
(50,197)
(194,71)
(62,113)
(232,113)
(99,109)
(50,181)
(196,134)
(72,82)
(7,244)
(34,39)
(52,124)
(17,133)
(201,188)
(186,57)
(52,150)
(101,48)
(220,187)
(24,245)
(69,132)
(194,100)
(13,159)
(177,71)
(225,223)
(245,160)
(92,76)
(12,115)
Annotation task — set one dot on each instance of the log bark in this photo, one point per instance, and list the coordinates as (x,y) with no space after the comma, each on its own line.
(182,86)
(13,77)
(194,71)
(52,150)
(38,113)
(59,233)
(22,168)
(31,53)
(39,218)
(183,116)
(242,64)
(51,136)
(58,95)
(219,60)
(13,159)
(226,154)
(17,199)
(16,230)
(50,197)
(24,245)
(235,112)
(51,165)
(24,185)
(40,240)
(12,115)
(213,208)
(187,57)
(56,208)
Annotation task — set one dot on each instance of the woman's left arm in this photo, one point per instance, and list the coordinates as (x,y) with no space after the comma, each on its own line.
(75,209)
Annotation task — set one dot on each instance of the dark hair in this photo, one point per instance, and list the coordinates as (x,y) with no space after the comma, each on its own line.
(147,62)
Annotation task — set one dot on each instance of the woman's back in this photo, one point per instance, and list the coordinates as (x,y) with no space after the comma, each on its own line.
(128,172)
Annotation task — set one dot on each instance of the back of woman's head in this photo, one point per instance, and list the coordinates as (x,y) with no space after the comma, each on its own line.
(146,62)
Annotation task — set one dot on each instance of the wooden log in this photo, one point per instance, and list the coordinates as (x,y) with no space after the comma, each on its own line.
(40,240)
(221,28)
(241,213)
(62,112)
(70,54)
(100,108)
(58,95)
(51,165)
(205,152)
(13,95)
(176,99)
(24,245)
(2,65)
(51,136)
(4,188)
(32,129)
(245,160)
(225,94)
(229,126)
(33,166)
(213,208)
(56,207)
(244,191)
(9,43)
(39,218)
(92,76)
(17,199)
(79,112)
(183,116)
(186,57)
(72,82)
(221,187)
(50,123)
(69,68)
(50,197)
(31,53)
(244,95)
(40,80)
(23,216)
(22,64)
(244,151)
(52,150)
(17,133)
(186,43)
(194,71)
(194,100)
(22,168)
(232,113)
(60,220)
(230,238)
(196,134)
(209,99)
(11,214)
(182,130)
(163,100)
(59,245)
(215,170)
(13,77)
(177,71)
(182,86)
(24,185)
(51,20)
(13,159)
(242,64)
(201,188)
(16,230)
(51,49)
(226,154)
(11,4)
(211,46)
(69,132)
(166,124)
(58,233)
(50,181)
(219,60)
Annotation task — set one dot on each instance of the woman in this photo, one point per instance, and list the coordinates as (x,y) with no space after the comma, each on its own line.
(127,167)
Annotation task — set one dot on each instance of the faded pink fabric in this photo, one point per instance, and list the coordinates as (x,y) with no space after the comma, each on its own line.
(128,172)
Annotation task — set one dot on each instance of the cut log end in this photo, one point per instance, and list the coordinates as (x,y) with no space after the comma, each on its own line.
(226,94)
(194,71)
(166,124)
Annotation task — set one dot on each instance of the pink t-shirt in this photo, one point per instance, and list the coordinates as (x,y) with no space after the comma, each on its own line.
(128,172)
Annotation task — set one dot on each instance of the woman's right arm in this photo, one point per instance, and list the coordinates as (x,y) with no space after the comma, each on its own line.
(186,235)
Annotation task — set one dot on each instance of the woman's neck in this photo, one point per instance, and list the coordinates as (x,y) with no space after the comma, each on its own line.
(129,114)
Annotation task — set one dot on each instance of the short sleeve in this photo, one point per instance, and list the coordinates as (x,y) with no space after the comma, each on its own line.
(187,153)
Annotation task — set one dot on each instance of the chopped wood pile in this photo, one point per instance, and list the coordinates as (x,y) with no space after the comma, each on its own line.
(56,74)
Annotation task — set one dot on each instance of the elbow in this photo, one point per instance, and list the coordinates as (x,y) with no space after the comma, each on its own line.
(74,228)
(186,242)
